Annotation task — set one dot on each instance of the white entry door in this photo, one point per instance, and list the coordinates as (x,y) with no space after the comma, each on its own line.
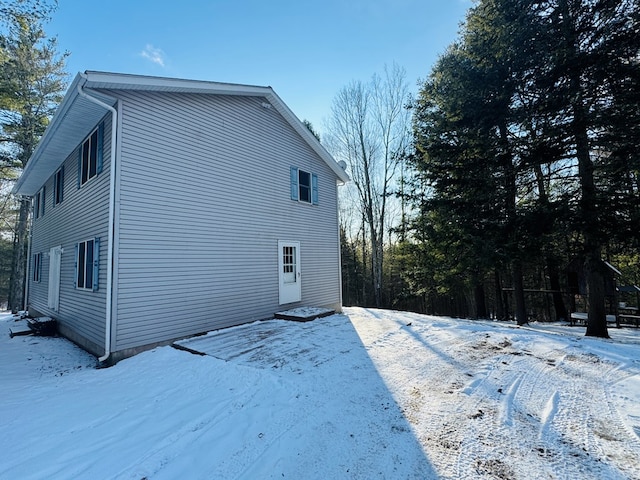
(289,268)
(55,256)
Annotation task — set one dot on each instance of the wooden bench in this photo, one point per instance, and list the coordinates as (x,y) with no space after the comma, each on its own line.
(581,318)
(629,319)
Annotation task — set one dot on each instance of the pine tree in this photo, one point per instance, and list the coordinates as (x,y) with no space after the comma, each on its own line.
(32,83)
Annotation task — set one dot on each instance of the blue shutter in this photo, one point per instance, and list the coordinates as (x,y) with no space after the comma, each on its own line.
(314,189)
(75,269)
(294,183)
(96,263)
(79,164)
(43,200)
(99,161)
(60,194)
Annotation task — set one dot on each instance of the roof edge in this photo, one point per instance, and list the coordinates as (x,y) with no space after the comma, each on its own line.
(56,120)
(127,81)
(306,134)
(96,80)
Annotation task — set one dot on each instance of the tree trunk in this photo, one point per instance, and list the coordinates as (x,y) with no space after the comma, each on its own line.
(365,300)
(554,283)
(596,314)
(588,212)
(518,294)
(479,298)
(18,268)
(500,310)
(376,270)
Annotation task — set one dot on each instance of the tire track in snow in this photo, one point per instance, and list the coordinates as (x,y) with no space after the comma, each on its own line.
(488,409)
(548,415)
(506,408)
(580,422)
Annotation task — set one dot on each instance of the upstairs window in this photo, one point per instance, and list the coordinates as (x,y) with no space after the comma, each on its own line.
(38,203)
(58,186)
(304,186)
(90,156)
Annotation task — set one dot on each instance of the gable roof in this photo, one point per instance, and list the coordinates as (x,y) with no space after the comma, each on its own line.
(76,116)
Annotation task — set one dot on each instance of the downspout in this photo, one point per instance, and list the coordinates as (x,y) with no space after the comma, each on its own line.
(110,235)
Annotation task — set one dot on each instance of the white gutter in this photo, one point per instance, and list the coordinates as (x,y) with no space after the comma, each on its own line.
(112,201)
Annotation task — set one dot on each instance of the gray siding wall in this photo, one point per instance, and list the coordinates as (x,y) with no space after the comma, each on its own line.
(204,199)
(82,215)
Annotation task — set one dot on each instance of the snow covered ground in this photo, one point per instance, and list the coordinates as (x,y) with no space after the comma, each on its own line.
(365,395)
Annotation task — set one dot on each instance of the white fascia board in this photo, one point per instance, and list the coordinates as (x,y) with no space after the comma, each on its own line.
(71,122)
(118,81)
(39,167)
(304,132)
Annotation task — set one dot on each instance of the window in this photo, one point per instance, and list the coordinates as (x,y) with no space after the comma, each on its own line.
(304,186)
(38,203)
(58,186)
(37,267)
(87,264)
(90,156)
(288,262)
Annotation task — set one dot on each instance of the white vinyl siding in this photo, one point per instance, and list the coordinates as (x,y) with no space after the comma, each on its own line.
(190,238)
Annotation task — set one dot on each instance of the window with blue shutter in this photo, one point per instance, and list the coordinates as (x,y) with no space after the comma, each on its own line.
(100,141)
(58,186)
(96,263)
(75,276)
(90,156)
(314,189)
(37,267)
(36,205)
(79,166)
(304,186)
(87,264)
(38,202)
(294,183)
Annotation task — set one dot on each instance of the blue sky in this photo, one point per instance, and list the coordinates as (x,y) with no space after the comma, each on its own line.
(305,50)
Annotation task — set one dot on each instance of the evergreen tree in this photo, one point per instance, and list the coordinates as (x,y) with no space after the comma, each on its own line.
(528,126)
(32,83)
(466,135)
(594,47)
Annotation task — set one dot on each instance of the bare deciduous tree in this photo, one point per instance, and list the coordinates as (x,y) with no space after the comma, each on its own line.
(369,130)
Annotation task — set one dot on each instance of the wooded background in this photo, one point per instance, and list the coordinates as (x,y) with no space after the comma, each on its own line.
(507,187)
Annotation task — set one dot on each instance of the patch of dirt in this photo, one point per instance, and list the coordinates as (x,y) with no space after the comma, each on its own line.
(494,468)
